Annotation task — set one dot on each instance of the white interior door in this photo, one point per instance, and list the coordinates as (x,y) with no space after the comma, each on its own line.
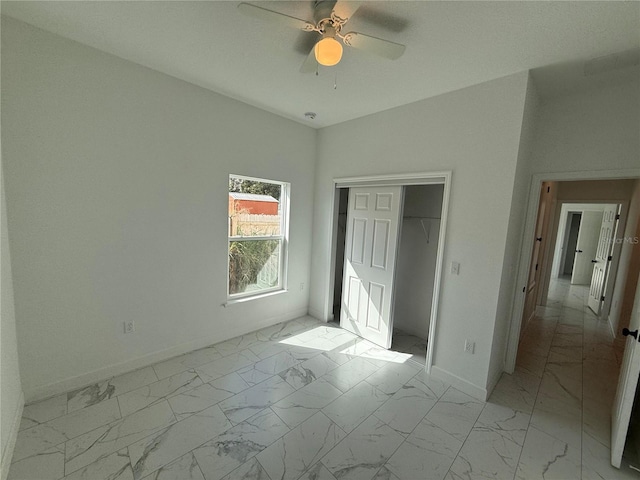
(536,258)
(373,221)
(586,247)
(627,384)
(601,260)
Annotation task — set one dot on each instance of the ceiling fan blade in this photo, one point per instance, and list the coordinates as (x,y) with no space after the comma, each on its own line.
(310,64)
(380,19)
(343,11)
(281,18)
(383,48)
(305,42)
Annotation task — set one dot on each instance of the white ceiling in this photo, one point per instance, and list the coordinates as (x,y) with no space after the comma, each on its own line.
(450,45)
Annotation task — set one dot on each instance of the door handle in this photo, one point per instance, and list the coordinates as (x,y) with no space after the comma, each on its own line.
(626,332)
(578,251)
(594,261)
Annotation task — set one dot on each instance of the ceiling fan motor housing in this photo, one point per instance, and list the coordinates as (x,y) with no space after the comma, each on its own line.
(330,18)
(329,31)
(323,9)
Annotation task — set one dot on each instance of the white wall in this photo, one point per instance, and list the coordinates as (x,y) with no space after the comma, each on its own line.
(474,132)
(417,255)
(595,191)
(595,130)
(423,201)
(11,398)
(513,244)
(117,205)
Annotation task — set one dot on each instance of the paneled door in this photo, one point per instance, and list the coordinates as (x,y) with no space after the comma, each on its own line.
(533,282)
(586,247)
(373,226)
(602,260)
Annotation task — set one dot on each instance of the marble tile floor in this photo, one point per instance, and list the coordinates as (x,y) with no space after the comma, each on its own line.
(403,342)
(305,400)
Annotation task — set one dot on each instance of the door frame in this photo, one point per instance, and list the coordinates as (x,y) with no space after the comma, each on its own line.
(613,269)
(527,239)
(423,178)
(553,235)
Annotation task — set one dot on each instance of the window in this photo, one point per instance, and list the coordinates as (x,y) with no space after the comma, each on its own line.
(258,218)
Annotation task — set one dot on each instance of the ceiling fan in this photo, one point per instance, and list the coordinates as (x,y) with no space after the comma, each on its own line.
(330,18)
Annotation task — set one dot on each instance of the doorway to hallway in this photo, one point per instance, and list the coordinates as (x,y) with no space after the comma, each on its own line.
(568,353)
(619,200)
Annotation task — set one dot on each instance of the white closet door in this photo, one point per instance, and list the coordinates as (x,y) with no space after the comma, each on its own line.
(373,221)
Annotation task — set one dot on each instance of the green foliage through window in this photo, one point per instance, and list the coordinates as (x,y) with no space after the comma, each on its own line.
(240,185)
(253,264)
(257,243)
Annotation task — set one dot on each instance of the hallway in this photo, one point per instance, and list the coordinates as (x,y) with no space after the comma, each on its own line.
(566,377)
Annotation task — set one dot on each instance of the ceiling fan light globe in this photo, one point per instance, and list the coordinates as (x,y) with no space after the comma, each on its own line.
(328,52)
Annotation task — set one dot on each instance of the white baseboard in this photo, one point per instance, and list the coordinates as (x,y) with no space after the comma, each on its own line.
(7,451)
(80,381)
(461,384)
(493,382)
(611,328)
(318,315)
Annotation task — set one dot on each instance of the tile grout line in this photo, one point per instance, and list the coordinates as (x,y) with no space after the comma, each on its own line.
(256,455)
(166,397)
(467,436)
(373,414)
(352,430)
(262,466)
(197,463)
(64,462)
(119,408)
(535,400)
(231,422)
(65,402)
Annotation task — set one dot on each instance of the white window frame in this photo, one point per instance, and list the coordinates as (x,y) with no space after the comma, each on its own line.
(285,188)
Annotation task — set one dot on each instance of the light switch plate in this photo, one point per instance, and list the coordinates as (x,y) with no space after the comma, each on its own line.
(455,268)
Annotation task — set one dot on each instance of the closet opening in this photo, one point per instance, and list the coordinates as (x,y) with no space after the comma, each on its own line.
(388,245)
(415,268)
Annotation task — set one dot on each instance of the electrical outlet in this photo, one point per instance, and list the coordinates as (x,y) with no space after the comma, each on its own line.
(469,347)
(301,286)
(129,326)
(455,268)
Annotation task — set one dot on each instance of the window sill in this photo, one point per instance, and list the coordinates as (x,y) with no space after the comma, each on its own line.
(248,298)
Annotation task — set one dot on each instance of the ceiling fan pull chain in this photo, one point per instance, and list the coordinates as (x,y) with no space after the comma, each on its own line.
(335,82)
(317,67)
